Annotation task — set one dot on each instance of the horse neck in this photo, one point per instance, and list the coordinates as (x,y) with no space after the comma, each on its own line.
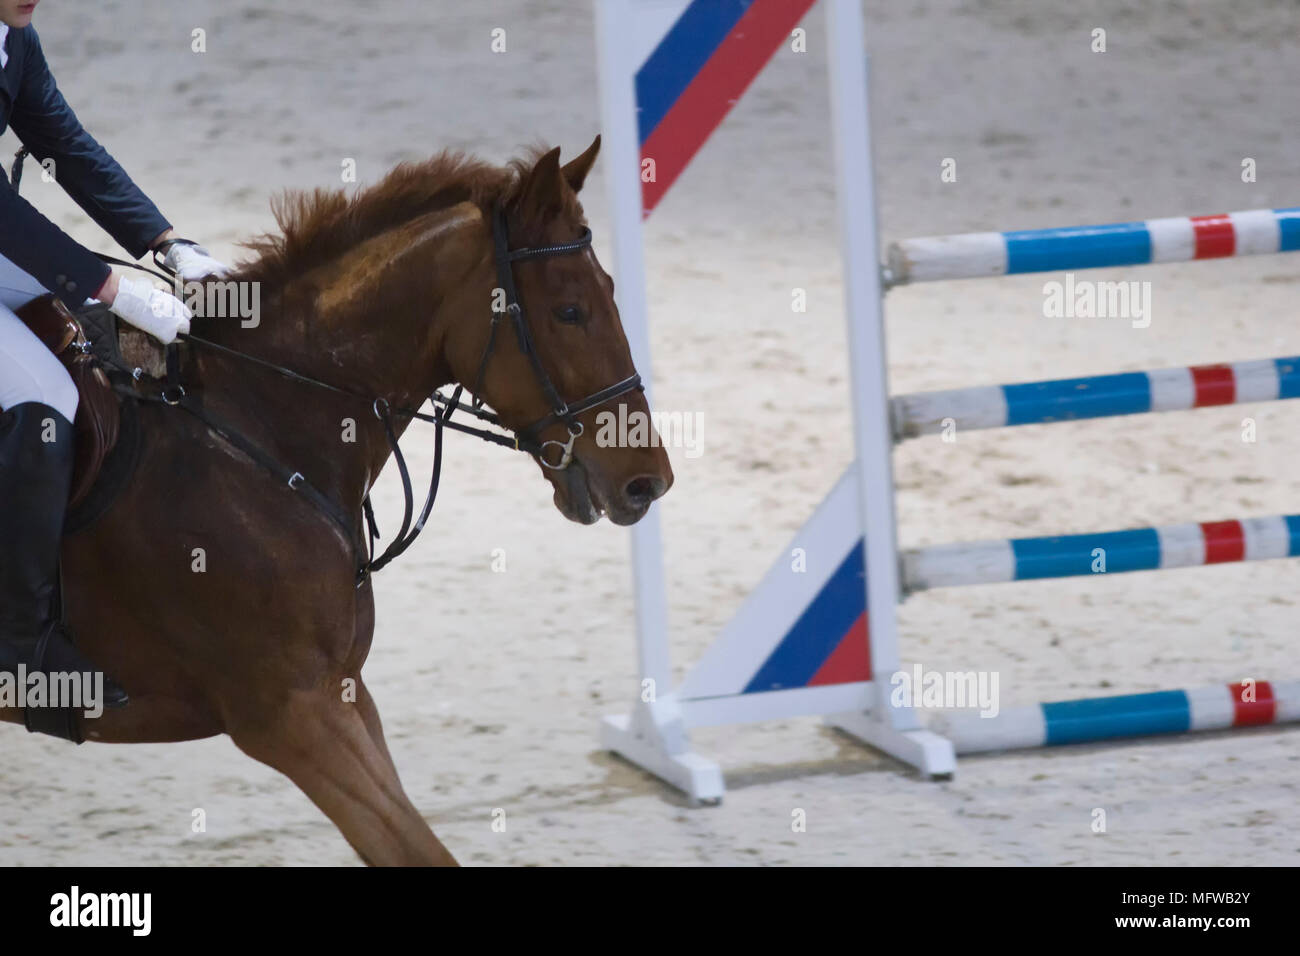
(371,324)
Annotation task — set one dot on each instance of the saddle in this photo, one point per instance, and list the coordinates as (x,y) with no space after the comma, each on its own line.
(102,418)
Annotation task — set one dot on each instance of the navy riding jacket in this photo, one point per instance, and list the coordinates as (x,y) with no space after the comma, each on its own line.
(31,103)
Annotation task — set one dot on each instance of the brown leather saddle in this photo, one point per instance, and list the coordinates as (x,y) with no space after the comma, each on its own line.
(106,427)
(99,419)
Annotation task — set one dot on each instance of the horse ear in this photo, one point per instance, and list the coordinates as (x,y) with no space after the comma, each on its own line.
(543,191)
(575,171)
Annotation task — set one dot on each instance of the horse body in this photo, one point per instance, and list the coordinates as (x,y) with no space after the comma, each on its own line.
(221,598)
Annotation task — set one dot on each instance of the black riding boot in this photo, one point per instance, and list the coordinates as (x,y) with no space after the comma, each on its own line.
(36,449)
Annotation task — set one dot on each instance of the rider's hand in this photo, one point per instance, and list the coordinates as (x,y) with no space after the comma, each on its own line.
(193,262)
(152,310)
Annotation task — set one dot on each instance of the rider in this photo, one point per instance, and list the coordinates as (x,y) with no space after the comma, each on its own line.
(37,397)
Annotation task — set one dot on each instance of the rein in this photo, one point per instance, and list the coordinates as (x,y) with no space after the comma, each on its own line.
(174,394)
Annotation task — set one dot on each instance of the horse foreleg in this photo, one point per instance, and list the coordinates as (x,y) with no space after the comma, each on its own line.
(374,726)
(325,746)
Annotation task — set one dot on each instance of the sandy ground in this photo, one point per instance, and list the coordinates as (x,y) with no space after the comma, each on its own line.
(492,684)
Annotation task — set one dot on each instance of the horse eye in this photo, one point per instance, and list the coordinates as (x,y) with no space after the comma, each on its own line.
(569,314)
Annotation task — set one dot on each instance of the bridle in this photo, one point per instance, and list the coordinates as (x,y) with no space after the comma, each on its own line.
(561,411)
(528,440)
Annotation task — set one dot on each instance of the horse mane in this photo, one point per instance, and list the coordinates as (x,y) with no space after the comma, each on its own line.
(320,225)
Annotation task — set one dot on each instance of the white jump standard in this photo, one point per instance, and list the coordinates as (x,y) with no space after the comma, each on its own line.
(822,638)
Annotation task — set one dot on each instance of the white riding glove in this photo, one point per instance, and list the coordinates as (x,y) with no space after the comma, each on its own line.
(192,263)
(151,310)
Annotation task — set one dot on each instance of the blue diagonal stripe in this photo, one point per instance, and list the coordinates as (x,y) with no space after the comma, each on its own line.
(680,55)
(818,631)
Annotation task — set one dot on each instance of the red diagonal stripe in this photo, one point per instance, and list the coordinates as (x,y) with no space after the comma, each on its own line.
(715,90)
(850,661)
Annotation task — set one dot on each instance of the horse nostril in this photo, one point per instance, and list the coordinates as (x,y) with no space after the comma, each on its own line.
(644,489)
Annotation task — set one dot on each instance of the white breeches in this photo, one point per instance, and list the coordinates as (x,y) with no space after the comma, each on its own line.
(29,372)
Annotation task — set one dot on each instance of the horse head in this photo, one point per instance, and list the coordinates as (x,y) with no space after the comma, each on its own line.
(553,361)
(458,271)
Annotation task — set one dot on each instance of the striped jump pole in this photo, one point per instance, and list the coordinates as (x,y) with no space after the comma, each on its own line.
(1178,239)
(1109,552)
(1221,707)
(1097,396)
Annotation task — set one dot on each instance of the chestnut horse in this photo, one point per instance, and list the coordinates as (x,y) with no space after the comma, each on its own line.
(390,294)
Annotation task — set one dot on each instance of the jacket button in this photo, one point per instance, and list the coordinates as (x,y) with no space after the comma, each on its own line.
(60,279)
(71,287)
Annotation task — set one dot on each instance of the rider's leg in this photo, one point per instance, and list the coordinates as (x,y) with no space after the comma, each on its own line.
(38,401)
